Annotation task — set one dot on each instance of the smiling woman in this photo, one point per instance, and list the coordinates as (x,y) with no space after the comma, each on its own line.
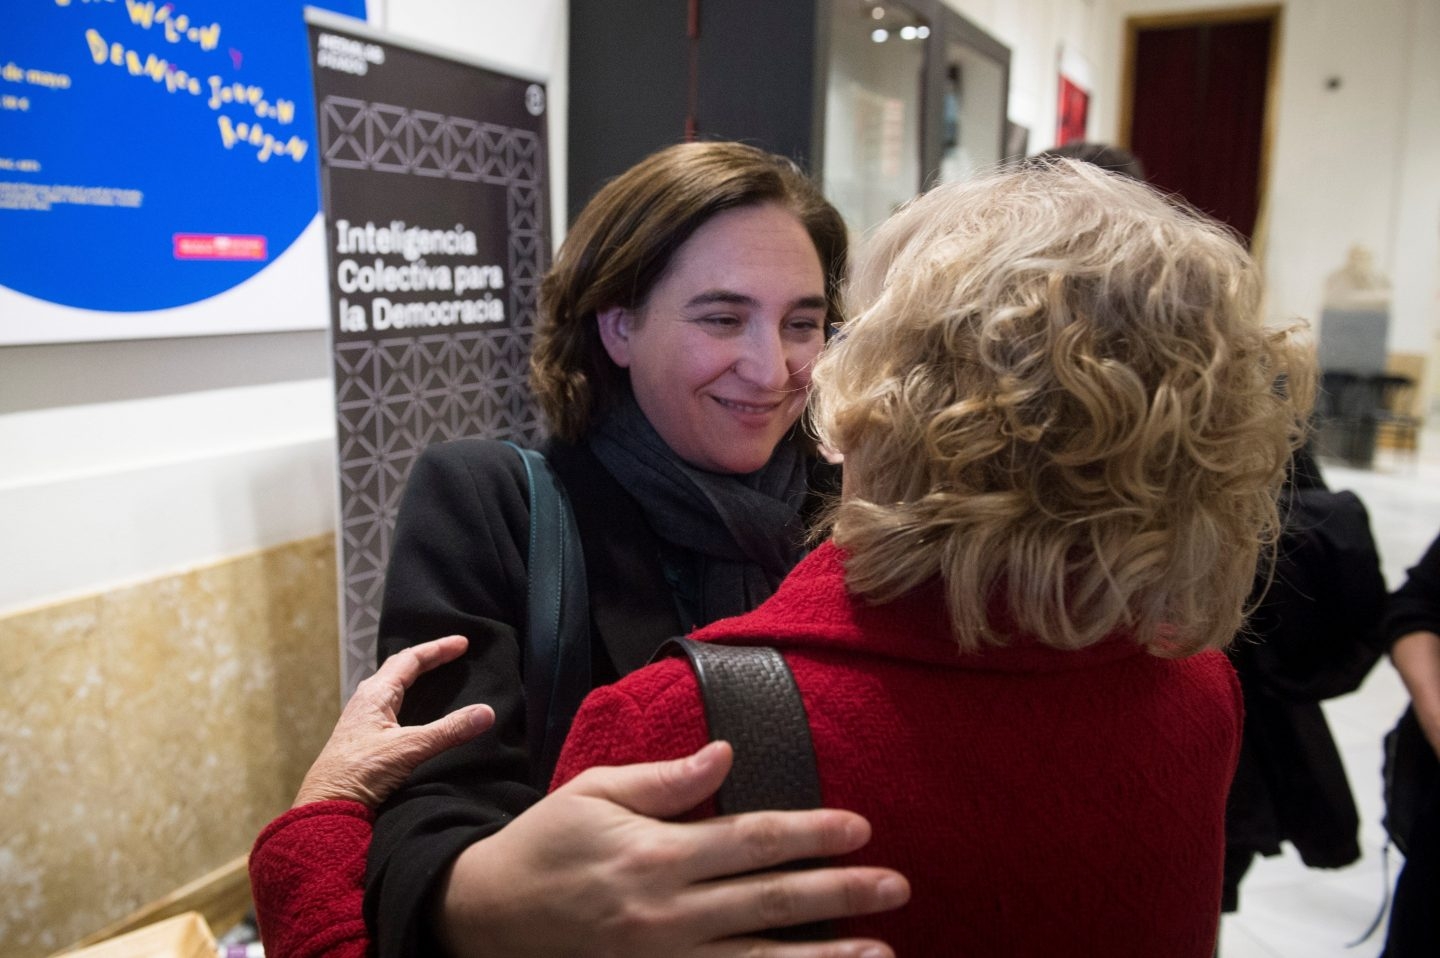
(719,355)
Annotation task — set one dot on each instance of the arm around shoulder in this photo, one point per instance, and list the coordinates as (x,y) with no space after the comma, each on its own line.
(604,865)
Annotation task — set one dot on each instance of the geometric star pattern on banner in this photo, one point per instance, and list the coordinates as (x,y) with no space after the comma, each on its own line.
(395,396)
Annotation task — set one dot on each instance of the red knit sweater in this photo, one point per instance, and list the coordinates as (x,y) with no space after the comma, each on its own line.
(1040,802)
(307,876)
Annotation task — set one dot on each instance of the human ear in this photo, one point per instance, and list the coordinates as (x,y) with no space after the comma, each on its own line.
(615,323)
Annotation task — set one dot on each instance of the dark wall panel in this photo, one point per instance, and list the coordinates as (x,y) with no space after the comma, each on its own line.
(758,69)
(629,87)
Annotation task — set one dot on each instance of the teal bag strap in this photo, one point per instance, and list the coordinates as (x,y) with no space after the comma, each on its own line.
(556,657)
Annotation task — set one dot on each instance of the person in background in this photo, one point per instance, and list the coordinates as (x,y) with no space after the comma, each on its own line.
(672,359)
(1313,635)
(1064,424)
(1412,624)
(1113,159)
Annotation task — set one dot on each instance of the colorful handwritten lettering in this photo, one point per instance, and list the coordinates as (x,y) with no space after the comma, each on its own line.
(176,27)
(156,68)
(221,93)
(255,135)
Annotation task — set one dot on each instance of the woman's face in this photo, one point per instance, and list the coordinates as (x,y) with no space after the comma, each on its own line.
(720,353)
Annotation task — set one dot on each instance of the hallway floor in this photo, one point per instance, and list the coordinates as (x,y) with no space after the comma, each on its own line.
(1287,910)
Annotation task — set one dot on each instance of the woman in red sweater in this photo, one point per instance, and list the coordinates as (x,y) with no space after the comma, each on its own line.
(307,868)
(1063,424)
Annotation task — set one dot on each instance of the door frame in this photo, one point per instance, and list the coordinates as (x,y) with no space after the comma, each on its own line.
(1197,18)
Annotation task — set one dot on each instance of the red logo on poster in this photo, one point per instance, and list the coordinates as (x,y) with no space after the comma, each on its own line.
(219,246)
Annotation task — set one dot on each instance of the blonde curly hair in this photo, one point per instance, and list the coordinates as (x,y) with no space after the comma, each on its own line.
(1058,395)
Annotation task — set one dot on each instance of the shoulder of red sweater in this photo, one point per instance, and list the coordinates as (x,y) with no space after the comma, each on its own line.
(1213,661)
(811,604)
(311,811)
(657,684)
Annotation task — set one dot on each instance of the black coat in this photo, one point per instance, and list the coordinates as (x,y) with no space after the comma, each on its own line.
(1414,920)
(458,566)
(1314,636)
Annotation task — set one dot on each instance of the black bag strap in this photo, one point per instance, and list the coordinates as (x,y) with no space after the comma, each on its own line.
(556,660)
(751,701)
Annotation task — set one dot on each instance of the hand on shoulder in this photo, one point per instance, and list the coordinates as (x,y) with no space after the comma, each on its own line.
(592,869)
(369,753)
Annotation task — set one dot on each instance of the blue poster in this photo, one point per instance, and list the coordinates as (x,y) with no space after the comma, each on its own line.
(152,154)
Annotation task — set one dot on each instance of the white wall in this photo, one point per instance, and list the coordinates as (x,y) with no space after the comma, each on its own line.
(1036,31)
(1357,164)
(125,461)
(96,496)
(1415,254)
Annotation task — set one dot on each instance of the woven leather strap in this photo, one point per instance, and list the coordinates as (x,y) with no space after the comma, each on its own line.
(751,702)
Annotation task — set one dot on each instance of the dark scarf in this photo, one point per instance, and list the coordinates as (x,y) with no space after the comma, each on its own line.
(729,539)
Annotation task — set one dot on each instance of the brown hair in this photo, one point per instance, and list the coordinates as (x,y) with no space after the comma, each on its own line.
(622,243)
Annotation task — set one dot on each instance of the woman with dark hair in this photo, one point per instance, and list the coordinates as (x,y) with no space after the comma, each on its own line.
(672,359)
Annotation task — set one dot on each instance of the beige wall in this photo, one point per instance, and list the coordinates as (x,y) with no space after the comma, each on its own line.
(147,733)
(1355,149)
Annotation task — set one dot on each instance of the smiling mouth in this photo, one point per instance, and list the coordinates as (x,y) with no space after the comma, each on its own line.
(747,408)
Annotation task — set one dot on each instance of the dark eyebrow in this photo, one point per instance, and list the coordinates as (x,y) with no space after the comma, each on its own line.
(724,296)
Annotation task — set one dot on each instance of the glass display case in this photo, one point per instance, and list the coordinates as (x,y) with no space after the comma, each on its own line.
(873,159)
(972,126)
(915,94)
(876,99)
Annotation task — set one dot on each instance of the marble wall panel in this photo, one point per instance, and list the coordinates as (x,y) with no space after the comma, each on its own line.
(148,733)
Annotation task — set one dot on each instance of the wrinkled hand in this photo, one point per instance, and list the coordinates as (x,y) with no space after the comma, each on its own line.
(369,753)
(589,870)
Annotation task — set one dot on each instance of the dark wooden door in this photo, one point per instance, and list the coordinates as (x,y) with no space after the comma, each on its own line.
(1198,99)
